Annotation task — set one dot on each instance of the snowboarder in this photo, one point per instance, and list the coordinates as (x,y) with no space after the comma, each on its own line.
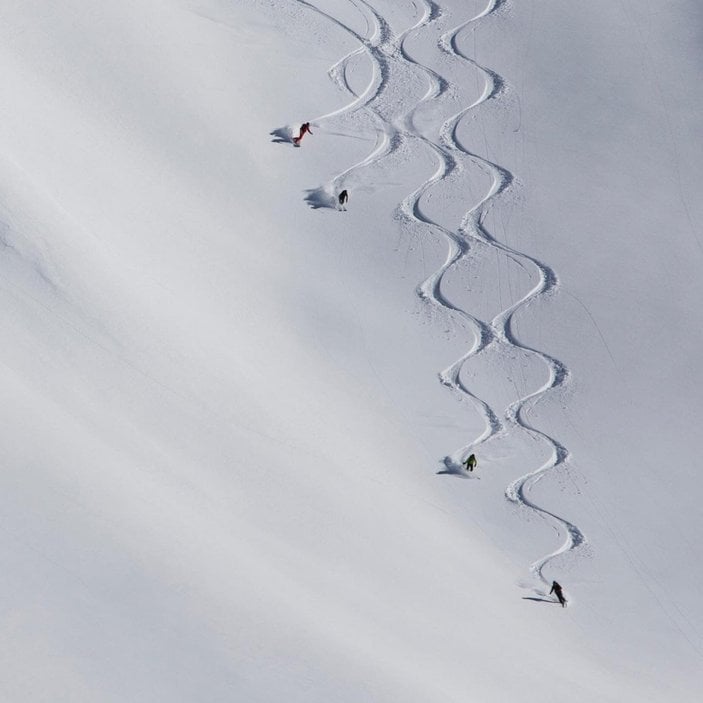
(343,197)
(556,590)
(471,463)
(304,129)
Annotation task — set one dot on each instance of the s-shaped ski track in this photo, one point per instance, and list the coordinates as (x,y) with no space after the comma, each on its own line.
(383,48)
(499,332)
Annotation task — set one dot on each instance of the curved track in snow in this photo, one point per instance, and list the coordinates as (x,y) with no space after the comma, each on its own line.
(497,336)
(501,327)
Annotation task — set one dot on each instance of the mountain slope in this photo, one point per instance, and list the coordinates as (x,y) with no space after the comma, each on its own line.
(235,415)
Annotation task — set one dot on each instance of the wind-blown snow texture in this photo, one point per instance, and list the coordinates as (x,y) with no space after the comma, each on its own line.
(235,415)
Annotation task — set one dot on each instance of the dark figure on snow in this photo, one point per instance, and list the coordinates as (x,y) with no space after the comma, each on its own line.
(556,590)
(343,197)
(471,463)
(304,129)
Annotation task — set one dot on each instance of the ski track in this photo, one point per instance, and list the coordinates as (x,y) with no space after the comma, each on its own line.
(383,48)
(518,492)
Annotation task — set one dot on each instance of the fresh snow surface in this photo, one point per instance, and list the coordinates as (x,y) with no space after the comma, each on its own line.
(234,416)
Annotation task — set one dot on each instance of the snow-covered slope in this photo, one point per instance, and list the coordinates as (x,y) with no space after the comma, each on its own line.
(235,415)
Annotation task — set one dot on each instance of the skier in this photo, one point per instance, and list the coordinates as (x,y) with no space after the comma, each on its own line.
(470,463)
(304,129)
(343,197)
(556,590)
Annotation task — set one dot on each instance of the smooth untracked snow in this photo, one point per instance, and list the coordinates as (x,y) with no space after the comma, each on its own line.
(234,417)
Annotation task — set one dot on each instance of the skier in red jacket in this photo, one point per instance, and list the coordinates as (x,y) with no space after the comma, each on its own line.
(304,129)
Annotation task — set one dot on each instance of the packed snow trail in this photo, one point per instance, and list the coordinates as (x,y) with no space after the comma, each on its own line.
(499,331)
(387,51)
(502,324)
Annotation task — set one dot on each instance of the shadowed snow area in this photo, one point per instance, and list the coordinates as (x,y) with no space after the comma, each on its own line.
(236,412)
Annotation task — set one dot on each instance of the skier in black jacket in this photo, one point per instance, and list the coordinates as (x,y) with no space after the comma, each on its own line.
(556,590)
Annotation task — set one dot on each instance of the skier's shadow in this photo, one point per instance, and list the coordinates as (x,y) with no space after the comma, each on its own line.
(317,198)
(457,473)
(541,600)
(282,135)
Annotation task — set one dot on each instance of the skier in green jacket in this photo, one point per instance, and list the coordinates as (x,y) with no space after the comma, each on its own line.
(470,463)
